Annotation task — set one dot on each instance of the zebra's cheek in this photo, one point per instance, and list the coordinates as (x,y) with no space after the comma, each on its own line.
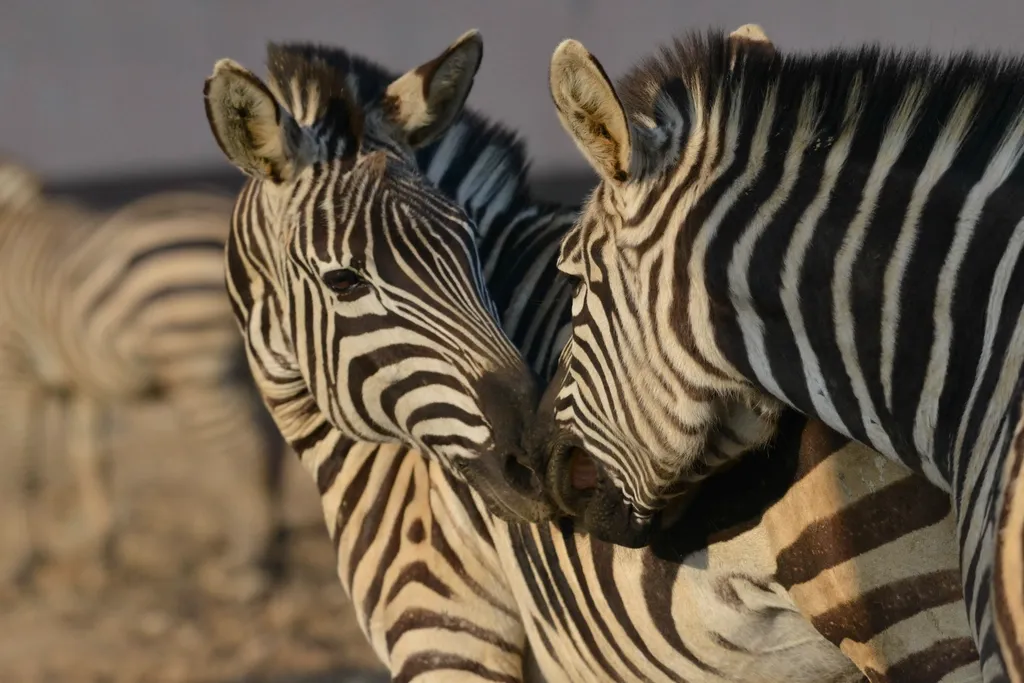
(545,429)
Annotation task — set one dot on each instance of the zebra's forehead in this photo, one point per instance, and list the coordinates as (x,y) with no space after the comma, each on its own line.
(336,94)
(569,250)
(354,200)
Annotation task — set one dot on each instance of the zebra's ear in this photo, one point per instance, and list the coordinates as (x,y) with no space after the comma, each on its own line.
(253,130)
(590,111)
(753,39)
(423,103)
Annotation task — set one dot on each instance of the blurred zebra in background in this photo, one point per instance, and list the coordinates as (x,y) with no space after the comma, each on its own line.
(104,309)
(779,569)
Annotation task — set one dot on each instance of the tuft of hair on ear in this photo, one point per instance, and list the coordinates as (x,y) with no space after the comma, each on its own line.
(590,110)
(750,39)
(255,133)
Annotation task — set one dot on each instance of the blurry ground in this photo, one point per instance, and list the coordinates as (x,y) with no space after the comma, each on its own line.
(154,624)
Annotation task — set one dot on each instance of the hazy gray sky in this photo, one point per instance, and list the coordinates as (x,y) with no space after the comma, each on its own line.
(111,86)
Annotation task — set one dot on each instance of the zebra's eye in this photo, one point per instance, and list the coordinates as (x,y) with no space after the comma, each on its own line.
(344,282)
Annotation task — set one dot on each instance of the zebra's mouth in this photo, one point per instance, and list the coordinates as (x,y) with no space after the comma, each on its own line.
(572,477)
(502,500)
(582,470)
(582,490)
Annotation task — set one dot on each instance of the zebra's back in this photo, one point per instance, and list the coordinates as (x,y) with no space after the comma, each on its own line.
(866,550)
(441,586)
(114,305)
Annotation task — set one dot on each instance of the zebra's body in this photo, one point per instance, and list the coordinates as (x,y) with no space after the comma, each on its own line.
(836,232)
(102,309)
(446,590)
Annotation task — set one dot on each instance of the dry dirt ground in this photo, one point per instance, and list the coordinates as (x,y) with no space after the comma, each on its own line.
(153,623)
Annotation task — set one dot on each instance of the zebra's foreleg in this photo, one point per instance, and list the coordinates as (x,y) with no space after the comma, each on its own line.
(237,453)
(20,431)
(89,452)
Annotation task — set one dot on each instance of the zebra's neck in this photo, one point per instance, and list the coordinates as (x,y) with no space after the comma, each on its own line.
(484,168)
(871,237)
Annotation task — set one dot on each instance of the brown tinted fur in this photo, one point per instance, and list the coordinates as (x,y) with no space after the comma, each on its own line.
(899,530)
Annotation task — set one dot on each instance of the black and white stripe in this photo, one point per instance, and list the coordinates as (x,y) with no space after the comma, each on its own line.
(836,231)
(445,590)
(101,309)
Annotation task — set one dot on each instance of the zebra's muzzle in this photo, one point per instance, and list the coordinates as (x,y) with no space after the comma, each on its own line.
(580,489)
(522,477)
(523,503)
(582,470)
(571,478)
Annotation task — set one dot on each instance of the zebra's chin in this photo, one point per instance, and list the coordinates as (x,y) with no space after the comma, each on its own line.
(580,489)
(507,502)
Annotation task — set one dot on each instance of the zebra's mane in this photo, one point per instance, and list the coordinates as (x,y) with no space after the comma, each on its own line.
(684,79)
(340,91)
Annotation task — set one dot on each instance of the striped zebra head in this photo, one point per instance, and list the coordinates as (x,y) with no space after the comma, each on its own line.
(356,281)
(642,404)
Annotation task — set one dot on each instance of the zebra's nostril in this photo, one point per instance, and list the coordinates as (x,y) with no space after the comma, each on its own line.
(520,476)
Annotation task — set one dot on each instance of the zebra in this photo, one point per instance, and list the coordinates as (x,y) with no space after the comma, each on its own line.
(99,309)
(756,237)
(447,586)
(352,251)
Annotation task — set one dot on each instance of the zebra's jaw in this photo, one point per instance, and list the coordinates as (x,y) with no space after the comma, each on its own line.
(502,500)
(581,490)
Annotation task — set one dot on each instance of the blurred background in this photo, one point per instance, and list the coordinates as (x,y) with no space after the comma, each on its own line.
(103,98)
(99,92)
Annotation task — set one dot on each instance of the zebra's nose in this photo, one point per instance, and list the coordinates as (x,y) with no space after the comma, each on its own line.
(521,476)
(507,399)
